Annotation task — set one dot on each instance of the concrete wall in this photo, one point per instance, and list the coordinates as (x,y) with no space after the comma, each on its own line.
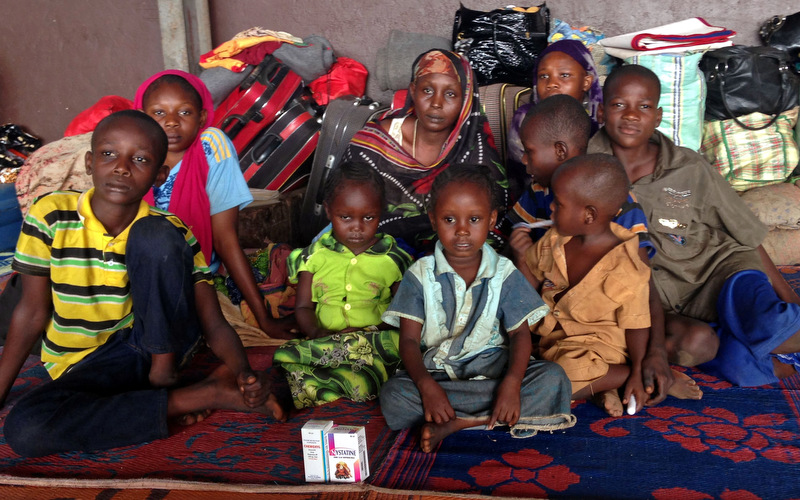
(59,57)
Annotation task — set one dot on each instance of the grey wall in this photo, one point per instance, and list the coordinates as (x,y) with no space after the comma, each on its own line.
(59,57)
(357,28)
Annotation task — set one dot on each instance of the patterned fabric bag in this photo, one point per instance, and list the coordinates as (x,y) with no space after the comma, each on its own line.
(683,95)
(751,158)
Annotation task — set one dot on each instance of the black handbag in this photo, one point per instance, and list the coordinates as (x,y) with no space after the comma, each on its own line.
(783,32)
(502,45)
(743,80)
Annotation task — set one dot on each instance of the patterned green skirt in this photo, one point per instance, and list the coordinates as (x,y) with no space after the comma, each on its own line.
(351,365)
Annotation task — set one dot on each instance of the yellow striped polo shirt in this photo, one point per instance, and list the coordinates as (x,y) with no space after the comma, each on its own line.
(62,239)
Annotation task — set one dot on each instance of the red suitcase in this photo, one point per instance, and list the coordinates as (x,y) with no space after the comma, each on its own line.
(279,158)
(257,102)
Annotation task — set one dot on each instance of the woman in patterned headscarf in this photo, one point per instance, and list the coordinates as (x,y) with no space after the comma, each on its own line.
(440,125)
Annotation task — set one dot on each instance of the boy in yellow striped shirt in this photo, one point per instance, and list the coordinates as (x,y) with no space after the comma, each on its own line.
(124,296)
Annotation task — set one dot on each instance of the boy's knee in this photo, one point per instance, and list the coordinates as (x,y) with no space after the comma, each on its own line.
(695,345)
(156,237)
(400,403)
(549,374)
(26,431)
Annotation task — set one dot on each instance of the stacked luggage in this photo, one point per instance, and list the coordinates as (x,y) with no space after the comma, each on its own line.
(274,124)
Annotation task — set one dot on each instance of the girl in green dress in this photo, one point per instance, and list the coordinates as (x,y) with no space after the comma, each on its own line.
(345,280)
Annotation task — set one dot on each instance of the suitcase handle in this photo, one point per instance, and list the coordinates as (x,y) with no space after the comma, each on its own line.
(265,146)
(329,161)
(266,66)
(235,128)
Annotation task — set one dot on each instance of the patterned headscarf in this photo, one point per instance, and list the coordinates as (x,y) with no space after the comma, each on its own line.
(435,62)
(189,199)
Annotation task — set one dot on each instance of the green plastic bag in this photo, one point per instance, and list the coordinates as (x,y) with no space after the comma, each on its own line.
(683,95)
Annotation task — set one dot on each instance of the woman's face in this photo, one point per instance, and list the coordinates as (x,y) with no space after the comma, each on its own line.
(559,73)
(437,101)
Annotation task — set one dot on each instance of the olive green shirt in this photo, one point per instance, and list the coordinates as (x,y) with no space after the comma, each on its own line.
(702,231)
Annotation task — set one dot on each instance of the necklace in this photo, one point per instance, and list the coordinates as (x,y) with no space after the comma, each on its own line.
(414,139)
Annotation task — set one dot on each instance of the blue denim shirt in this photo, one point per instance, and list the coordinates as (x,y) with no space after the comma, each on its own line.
(461,321)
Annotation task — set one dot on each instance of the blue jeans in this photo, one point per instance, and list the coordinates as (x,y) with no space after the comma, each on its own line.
(544,399)
(105,400)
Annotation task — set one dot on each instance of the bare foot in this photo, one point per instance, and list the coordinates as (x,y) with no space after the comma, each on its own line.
(163,370)
(278,413)
(219,391)
(195,417)
(432,433)
(684,387)
(610,402)
(783,370)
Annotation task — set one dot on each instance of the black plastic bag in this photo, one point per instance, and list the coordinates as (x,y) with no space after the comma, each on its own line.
(783,32)
(502,45)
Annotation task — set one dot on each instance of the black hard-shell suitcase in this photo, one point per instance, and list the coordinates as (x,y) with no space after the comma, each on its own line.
(342,119)
(279,159)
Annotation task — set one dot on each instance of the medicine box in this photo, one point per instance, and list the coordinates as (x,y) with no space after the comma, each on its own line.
(347,454)
(315,459)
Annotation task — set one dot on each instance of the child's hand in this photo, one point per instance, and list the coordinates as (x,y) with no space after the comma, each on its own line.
(254,387)
(283,328)
(435,403)
(519,242)
(634,386)
(506,404)
(657,377)
(318,333)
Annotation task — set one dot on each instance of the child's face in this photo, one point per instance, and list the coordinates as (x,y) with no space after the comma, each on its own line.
(569,214)
(354,213)
(462,219)
(123,164)
(437,101)
(559,73)
(177,113)
(541,157)
(630,111)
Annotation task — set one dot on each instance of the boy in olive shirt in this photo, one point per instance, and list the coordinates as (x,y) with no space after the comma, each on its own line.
(709,266)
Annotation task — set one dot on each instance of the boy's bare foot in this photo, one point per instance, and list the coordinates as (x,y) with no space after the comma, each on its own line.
(782,370)
(610,402)
(219,391)
(278,413)
(432,433)
(684,387)
(194,417)
(163,370)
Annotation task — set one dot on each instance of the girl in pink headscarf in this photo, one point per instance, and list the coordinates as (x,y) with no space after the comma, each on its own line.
(205,186)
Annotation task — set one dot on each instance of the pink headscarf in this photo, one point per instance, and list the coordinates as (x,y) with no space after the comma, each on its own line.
(189,199)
